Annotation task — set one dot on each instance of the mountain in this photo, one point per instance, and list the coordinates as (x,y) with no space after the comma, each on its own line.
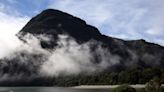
(55,22)
(132,54)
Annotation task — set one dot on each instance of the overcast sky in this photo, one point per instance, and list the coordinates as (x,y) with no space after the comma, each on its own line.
(127,19)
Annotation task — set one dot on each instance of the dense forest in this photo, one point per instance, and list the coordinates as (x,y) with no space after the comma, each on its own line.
(129,76)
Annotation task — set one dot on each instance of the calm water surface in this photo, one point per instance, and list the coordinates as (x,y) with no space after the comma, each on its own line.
(48,89)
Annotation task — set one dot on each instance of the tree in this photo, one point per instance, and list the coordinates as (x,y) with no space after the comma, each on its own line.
(153,85)
(124,88)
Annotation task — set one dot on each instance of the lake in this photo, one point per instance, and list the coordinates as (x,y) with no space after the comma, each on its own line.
(48,89)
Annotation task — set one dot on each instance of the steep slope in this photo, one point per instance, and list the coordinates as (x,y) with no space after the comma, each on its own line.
(55,22)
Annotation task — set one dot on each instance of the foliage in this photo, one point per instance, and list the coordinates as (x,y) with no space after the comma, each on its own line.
(141,90)
(129,76)
(124,88)
(153,85)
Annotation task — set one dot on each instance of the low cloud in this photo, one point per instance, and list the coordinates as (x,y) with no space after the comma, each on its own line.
(9,27)
(67,58)
(29,60)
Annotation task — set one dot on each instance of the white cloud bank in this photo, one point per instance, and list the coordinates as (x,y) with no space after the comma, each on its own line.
(9,26)
(67,58)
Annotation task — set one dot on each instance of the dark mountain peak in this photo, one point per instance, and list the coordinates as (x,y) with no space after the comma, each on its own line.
(141,40)
(50,12)
(56,22)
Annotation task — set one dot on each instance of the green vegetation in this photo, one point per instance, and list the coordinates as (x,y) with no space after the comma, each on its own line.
(129,76)
(153,85)
(124,88)
(141,90)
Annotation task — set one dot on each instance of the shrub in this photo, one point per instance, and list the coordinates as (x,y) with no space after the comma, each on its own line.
(153,85)
(141,90)
(124,88)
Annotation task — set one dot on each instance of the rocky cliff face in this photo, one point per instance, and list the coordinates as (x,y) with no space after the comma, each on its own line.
(53,23)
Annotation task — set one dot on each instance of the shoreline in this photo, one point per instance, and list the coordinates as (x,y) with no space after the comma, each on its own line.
(137,86)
